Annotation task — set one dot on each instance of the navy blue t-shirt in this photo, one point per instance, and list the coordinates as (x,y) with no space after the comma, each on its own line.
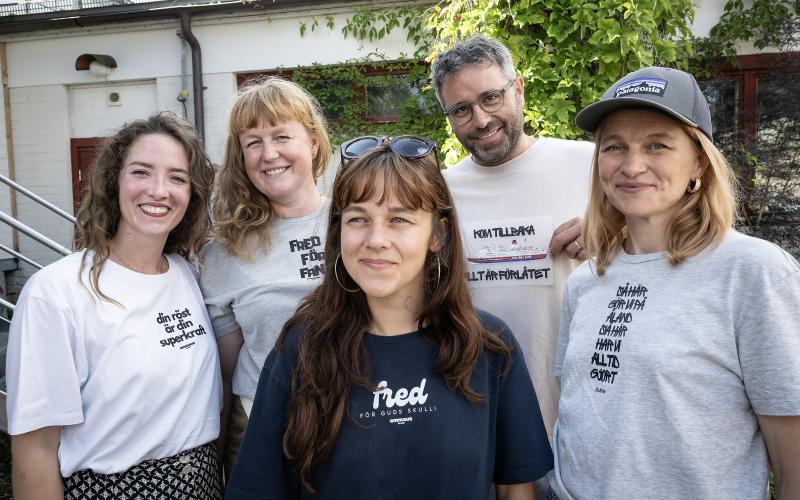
(415,438)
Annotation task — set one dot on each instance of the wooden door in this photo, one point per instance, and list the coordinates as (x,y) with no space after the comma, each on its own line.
(83,152)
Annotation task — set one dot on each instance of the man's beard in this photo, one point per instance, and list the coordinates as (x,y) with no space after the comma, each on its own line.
(497,154)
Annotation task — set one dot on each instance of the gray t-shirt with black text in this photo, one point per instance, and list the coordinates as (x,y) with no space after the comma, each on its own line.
(259,295)
(665,368)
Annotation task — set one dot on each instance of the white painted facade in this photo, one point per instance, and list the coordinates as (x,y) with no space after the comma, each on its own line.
(52,102)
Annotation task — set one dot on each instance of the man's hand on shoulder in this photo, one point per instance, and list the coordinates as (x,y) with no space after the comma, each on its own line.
(567,239)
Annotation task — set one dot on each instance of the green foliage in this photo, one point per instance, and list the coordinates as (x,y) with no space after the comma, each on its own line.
(764,23)
(569,51)
(354,92)
(371,25)
(347,90)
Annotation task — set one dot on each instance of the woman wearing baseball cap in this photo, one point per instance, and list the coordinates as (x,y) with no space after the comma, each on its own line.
(679,350)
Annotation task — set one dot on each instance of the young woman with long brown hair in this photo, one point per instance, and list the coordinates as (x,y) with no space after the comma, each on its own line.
(386,383)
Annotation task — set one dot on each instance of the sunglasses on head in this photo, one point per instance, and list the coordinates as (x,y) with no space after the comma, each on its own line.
(407,146)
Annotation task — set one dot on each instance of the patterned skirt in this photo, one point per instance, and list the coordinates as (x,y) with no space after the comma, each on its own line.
(190,475)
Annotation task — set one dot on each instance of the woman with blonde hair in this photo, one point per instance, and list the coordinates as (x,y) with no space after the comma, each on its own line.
(679,354)
(386,383)
(269,230)
(113,378)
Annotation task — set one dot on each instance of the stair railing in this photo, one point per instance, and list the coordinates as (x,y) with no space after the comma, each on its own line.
(36,235)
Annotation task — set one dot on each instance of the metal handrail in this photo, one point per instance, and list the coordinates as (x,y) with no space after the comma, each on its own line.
(35,197)
(36,235)
(8,305)
(20,256)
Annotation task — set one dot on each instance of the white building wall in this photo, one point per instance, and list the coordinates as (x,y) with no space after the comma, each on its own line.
(167,90)
(706,15)
(5,193)
(93,114)
(218,97)
(246,42)
(50,59)
(40,131)
(261,42)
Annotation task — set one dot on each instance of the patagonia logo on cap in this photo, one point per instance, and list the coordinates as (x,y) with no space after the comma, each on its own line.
(652,86)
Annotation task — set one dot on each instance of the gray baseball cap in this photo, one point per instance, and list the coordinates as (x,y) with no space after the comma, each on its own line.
(672,91)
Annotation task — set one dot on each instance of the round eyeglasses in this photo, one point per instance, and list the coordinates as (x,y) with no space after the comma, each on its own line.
(490,101)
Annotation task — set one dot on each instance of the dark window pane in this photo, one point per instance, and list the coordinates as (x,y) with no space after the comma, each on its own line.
(778,105)
(775,202)
(333,95)
(778,136)
(723,99)
(390,96)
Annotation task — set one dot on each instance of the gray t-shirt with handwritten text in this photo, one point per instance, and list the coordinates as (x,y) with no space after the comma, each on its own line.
(665,368)
(259,295)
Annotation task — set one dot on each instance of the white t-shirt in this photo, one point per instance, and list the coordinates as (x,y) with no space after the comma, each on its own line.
(508,213)
(665,368)
(125,383)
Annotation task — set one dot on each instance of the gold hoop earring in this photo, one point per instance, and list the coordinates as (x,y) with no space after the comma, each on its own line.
(694,186)
(336,275)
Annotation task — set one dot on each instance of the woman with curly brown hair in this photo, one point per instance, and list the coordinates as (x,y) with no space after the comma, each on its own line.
(386,383)
(113,378)
(269,229)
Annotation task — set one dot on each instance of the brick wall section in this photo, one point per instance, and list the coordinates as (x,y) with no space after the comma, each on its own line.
(5,199)
(167,89)
(40,123)
(218,97)
(5,195)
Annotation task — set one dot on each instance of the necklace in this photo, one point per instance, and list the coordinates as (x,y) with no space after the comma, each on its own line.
(162,263)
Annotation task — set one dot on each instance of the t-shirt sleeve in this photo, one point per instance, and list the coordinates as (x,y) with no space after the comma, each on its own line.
(768,336)
(222,318)
(563,332)
(522,452)
(218,302)
(262,471)
(45,365)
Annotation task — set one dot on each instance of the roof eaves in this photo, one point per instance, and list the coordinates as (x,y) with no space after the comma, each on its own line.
(138,11)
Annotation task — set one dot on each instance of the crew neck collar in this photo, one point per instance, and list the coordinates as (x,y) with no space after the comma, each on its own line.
(520,161)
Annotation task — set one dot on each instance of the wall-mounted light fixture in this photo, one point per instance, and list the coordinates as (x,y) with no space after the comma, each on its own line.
(97,64)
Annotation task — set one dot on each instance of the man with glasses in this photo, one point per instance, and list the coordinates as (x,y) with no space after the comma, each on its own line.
(518,198)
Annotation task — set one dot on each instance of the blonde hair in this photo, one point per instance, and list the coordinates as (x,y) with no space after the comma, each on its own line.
(241,213)
(701,221)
